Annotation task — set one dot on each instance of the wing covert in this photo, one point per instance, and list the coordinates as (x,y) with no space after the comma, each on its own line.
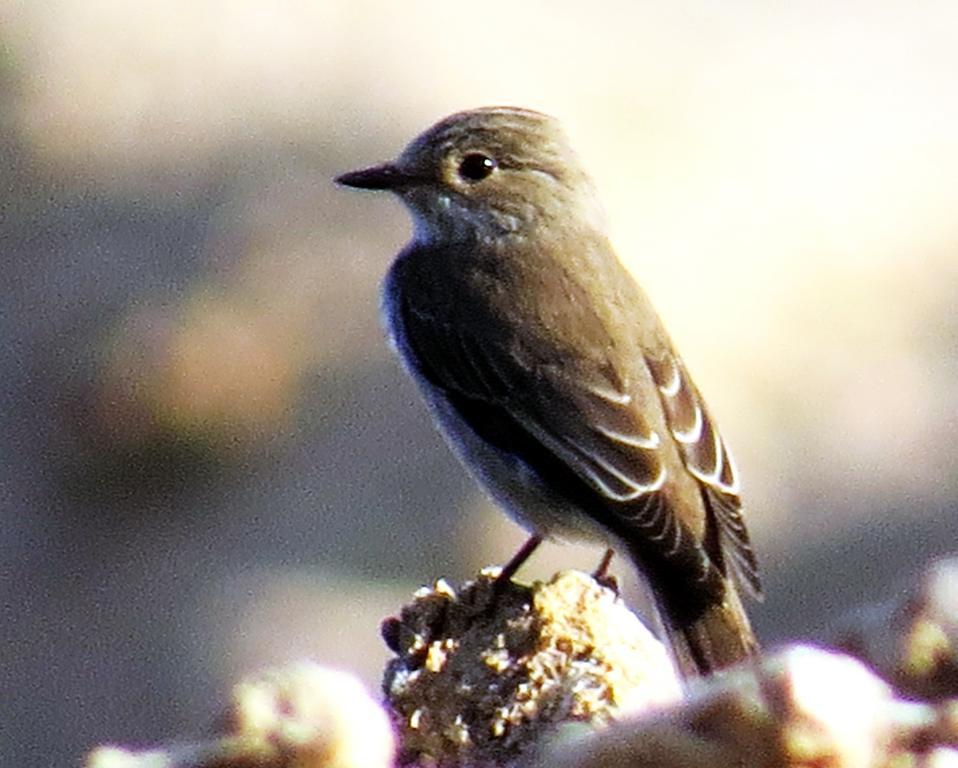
(708,460)
(586,420)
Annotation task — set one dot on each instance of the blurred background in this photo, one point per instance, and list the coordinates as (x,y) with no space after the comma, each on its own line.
(210,461)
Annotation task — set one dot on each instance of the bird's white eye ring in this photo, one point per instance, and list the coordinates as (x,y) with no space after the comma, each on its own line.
(476,166)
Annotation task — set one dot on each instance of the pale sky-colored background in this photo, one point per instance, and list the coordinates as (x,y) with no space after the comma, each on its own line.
(210,461)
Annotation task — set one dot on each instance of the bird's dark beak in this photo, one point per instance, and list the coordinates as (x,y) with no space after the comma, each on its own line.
(385,176)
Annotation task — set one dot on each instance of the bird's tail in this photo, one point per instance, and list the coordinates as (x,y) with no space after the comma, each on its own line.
(714,636)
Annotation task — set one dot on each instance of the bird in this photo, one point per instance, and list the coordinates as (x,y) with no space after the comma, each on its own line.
(552,377)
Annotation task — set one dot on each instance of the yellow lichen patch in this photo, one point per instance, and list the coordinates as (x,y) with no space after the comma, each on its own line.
(926,646)
(435,658)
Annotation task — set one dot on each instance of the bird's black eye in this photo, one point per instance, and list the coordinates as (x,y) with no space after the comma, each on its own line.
(476,166)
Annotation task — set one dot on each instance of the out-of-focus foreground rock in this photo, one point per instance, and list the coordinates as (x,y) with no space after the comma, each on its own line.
(562,674)
(913,642)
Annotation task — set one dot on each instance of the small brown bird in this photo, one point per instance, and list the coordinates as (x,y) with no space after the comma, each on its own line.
(551,375)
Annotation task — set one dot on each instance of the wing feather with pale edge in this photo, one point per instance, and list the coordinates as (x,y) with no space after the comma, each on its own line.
(709,461)
(585,420)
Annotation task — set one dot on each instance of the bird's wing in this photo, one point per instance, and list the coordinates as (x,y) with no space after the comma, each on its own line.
(586,422)
(708,459)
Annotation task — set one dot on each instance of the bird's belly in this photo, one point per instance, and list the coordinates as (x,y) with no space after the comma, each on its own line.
(521,492)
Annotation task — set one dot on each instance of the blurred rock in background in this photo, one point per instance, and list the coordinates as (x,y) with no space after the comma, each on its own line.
(201,420)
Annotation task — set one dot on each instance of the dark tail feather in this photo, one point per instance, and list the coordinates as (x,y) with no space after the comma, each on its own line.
(716,636)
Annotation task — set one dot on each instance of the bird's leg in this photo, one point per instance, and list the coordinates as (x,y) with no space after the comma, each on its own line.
(510,568)
(601,573)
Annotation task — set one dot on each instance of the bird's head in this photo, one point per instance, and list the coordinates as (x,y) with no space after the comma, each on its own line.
(488,173)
